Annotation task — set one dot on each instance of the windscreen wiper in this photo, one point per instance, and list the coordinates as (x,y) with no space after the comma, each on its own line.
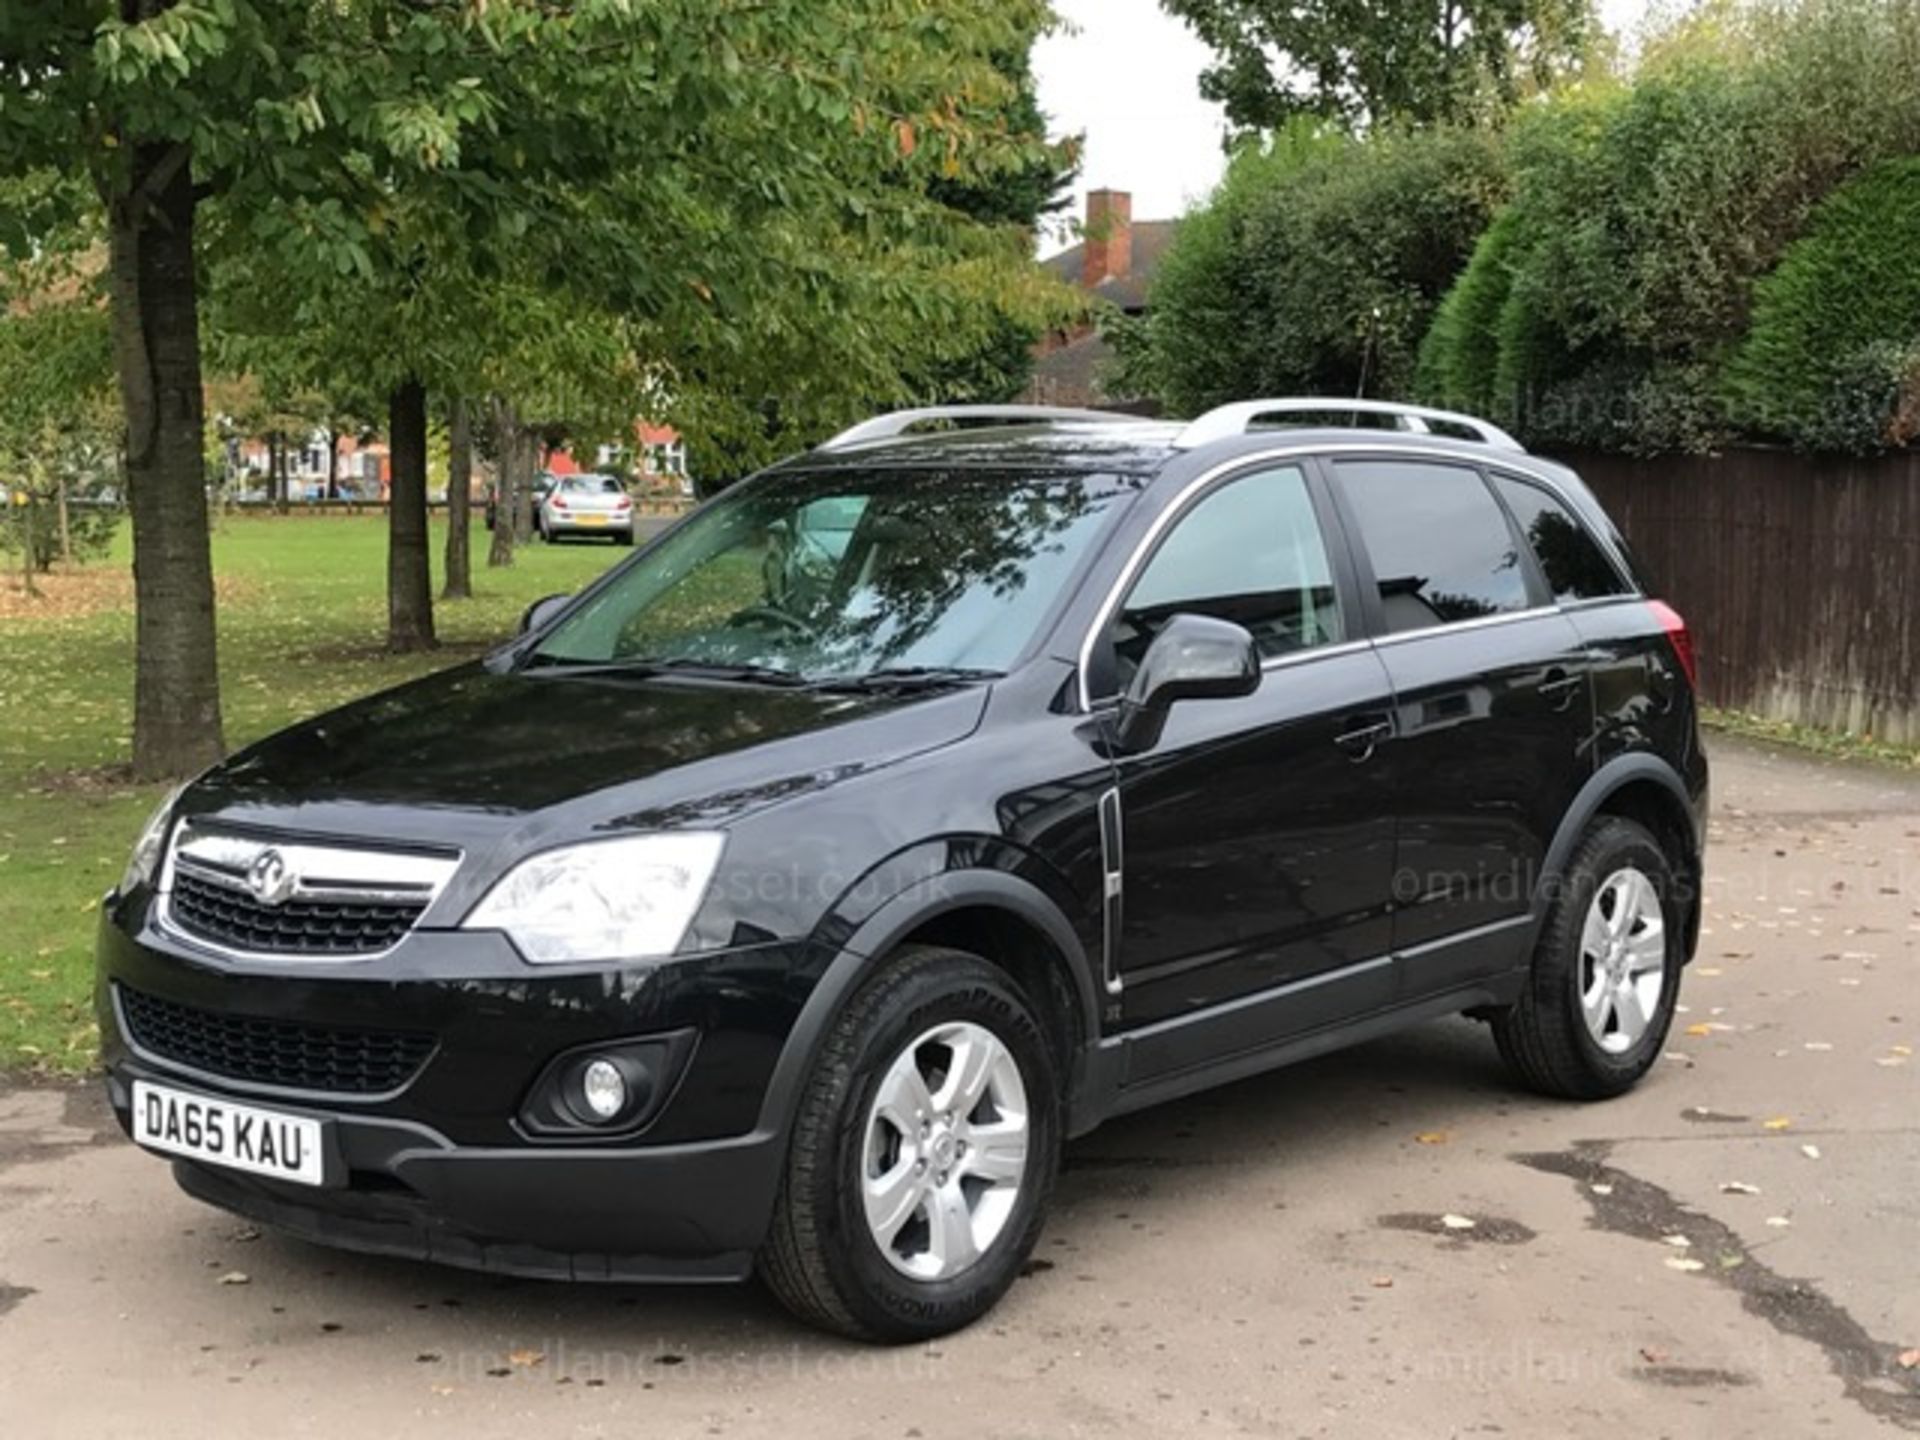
(644,667)
(908,677)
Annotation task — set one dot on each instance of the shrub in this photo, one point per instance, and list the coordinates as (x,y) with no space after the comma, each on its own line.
(1643,217)
(1316,267)
(1836,325)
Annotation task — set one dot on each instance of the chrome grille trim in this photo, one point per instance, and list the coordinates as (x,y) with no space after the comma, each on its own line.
(321,872)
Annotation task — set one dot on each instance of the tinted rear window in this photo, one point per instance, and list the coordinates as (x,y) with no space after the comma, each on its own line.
(1441,547)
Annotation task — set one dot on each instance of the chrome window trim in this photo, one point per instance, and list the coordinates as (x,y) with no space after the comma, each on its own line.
(359,874)
(1177,506)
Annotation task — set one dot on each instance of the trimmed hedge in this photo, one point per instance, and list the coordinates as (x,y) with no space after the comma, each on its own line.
(1835,339)
(1644,217)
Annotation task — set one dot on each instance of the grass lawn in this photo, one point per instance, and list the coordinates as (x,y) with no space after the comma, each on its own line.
(302,615)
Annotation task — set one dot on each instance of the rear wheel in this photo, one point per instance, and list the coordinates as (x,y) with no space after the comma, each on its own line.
(923,1156)
(1606,971)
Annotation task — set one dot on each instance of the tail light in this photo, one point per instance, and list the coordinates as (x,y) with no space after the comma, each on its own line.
(623,503)
(1679,637)
(558,503)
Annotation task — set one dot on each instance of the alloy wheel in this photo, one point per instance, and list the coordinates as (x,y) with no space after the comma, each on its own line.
(945,1151)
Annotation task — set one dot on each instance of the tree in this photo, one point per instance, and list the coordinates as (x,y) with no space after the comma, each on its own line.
(724,171)
(458,584)
(1359,63)
(1315,268)
(57,424)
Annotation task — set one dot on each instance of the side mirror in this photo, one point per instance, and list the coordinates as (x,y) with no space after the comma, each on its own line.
(1194,657)
(543,610)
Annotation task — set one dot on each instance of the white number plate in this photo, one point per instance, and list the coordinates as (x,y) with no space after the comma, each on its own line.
(242,1137)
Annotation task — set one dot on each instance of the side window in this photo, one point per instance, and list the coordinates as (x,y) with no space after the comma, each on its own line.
(1250,552)
(1441,547)
(1573,562)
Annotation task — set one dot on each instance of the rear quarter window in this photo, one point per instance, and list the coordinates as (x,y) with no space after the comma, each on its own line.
(1575,566)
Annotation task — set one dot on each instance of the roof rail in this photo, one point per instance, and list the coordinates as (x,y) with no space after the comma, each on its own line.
(889,427)
(1240,417)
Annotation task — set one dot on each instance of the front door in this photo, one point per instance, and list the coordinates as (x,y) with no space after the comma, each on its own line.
(1258,834)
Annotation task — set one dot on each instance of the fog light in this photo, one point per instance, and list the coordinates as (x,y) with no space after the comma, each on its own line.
(603,1088)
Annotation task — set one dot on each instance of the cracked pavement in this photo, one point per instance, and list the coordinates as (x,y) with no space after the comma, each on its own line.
(1735,1247)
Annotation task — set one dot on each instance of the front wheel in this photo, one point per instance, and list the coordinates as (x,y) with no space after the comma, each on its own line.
(1606,971)
(924,1153)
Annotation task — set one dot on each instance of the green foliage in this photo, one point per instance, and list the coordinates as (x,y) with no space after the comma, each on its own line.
(1643,217)
(1363,63)
(1459,359)
(1316,266)
(1836,326)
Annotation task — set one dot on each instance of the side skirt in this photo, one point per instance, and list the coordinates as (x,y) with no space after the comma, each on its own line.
(1179,1057)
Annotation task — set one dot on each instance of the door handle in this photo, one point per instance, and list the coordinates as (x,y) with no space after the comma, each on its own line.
(1559,688)
(1363,735)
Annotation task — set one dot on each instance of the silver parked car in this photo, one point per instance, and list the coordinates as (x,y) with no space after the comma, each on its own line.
(587,505)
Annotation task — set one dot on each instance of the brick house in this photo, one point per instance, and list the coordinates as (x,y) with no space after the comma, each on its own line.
(1114,263)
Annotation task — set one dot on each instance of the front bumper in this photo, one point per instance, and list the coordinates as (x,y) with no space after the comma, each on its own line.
(440,1167)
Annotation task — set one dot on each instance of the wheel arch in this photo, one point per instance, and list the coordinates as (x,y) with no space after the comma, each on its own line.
(1007,920)
(1645,789)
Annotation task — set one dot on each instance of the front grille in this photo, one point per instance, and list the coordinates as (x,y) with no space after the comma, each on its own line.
(274,1052)
(297,927)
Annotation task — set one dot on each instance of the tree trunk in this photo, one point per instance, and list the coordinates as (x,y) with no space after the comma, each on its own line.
(459,583)
(276,496)
(27,548)
(333,463)
(66,527)
(409,576)
(507,486)
(156,354)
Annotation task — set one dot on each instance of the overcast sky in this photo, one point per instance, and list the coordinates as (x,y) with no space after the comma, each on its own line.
(1129,78)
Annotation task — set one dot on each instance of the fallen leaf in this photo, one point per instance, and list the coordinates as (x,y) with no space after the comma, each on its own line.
(1432,1137)
(1679,1242)
(1910,1359)
(1381,1282)
(1699,1029)
(526,1359)
(235,1277)
(1457,1222)
(1738,1187)
(1778,1222)
(1601,1189)
(441,1389)
(1684,1262)
(1652,1356)
(1779,1122)
(1812,1152)
(1816,1045)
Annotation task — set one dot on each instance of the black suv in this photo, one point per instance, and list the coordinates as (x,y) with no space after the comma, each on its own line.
(785,900)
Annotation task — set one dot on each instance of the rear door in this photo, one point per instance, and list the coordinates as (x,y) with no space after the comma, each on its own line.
(1492,707)
(1258,837)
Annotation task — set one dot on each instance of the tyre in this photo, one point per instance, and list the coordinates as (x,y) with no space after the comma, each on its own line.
(1600,996)
(923,1155)
(625,538)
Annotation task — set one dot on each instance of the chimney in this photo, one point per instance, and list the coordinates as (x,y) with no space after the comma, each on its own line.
(1109,244)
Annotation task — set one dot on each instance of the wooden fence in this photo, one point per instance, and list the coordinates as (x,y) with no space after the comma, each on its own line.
(1799,577)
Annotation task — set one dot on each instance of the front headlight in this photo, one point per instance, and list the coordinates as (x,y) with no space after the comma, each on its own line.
(629,899)
(147,850)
